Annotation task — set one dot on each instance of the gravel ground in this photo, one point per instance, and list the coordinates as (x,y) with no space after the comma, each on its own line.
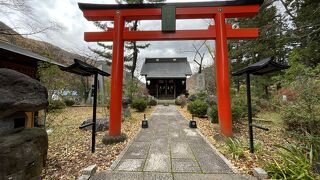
(70,148)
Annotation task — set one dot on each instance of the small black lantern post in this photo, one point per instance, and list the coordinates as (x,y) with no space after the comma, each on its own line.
(94,114)
(144,122)
(193,123)
(84,69)
(260,68)
(249,112)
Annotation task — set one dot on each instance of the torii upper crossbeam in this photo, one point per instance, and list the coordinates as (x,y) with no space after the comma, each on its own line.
(219,32)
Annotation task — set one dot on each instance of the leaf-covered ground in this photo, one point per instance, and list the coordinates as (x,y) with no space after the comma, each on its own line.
(268,139)
(70,148)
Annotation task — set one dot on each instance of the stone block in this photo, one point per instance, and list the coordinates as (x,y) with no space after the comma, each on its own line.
(20,93)
(90,170)
(114,139)
(23,154)
(101,124)
(260,173)
(84,177)
(201,82)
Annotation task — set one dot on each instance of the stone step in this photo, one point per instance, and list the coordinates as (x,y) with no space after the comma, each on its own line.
(163,102)
(117,175)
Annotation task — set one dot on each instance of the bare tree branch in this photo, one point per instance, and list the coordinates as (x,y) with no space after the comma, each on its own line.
(287,9)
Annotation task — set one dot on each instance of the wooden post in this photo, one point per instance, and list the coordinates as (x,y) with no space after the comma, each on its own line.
(29,119)
(157,86)
(174,89)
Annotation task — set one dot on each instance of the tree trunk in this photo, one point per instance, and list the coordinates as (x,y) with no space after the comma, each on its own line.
(135,51)
(278,86)
(266,90)
(238,86)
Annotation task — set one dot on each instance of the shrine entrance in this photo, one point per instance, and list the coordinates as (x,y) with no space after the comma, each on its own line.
(167,89)
(166,77)
(168,13)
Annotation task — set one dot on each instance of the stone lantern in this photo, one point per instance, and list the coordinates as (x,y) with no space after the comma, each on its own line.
(23,151)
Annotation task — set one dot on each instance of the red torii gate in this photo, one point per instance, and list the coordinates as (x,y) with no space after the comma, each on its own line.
(220,32)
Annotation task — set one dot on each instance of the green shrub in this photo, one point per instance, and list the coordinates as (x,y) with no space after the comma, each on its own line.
(240,108)
(178,101)
(235,147)
(139,104)
(211,100)
(293,162)
(56,105)
(192,97)
(303,113)
(202,95)
(69,102)
(213,114)
(258,145)
(198,108)
(152,102)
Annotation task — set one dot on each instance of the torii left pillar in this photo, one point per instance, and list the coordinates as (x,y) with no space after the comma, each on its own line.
(117,75)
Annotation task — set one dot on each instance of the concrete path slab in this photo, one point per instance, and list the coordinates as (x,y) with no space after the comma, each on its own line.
(169,149)
(185,165)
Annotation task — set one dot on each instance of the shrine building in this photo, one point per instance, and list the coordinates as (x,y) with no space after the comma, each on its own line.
(166,77)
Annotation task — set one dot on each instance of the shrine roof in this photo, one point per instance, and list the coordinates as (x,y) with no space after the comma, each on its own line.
(264,66)
(166,68)
(83,69)
(86,6)
(14,50)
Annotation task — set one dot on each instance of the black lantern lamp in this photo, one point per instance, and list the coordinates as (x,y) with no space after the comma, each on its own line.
(144,122)
(260,68)
(84,69)
(193,123)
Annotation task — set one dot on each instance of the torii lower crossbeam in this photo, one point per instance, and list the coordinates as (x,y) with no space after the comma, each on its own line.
(210,34)
(220,32)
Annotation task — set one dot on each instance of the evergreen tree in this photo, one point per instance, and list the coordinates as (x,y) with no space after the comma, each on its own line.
(270,43)
(305,29)
(132,48)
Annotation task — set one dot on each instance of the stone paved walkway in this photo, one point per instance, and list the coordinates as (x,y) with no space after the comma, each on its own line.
(169,149)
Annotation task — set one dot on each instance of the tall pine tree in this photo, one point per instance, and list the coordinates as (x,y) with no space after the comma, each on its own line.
(269,44)
(132,48)
(304,32)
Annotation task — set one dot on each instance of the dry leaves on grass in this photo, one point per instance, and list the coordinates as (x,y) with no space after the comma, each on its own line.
(268,140)
(70,148)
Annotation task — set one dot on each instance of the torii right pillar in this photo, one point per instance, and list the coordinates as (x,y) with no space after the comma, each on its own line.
(222,75)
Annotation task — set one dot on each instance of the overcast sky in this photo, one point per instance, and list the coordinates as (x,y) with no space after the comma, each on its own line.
(70,37)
